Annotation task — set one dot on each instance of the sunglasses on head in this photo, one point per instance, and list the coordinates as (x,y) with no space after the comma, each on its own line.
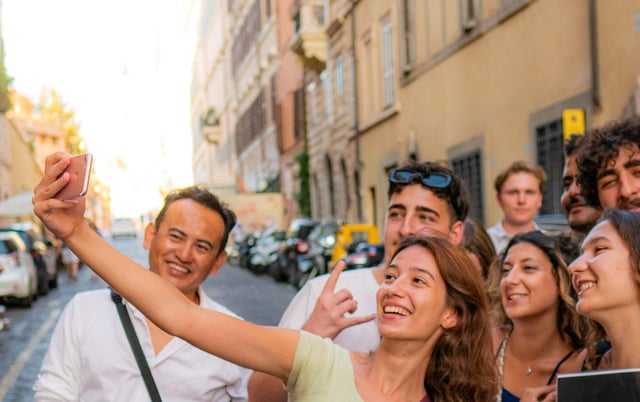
(405,176)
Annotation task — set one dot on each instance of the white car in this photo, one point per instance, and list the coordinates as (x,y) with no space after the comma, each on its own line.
(124,227)
(18,277)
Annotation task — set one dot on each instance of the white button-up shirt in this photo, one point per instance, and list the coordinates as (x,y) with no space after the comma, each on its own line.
(90,359)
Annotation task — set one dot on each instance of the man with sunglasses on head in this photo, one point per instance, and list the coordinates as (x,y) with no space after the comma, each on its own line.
(424,198)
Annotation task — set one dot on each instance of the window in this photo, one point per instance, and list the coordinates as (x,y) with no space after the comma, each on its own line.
(469,168)
(326,89)
(340,77)
(313,103)
(469,17)
(332,204)
(408,36)
(387,63)
(550,155)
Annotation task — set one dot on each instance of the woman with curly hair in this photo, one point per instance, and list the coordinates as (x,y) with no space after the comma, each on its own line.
(431,314)
(538,333)
(607,279)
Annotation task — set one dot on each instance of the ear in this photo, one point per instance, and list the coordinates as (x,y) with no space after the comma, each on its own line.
(456,232)
(449,318)
(220,259)
(149,234)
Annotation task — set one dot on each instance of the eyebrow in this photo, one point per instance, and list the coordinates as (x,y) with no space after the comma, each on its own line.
(424,271)
(419,208)
(628,165)
(207,242)
(591,241)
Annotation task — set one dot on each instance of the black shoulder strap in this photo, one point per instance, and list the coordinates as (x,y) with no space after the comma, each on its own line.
(135,347)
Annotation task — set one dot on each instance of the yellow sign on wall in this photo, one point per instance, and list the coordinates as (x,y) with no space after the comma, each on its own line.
(573,122)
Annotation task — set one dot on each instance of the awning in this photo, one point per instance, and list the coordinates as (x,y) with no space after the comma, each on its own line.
(17,206)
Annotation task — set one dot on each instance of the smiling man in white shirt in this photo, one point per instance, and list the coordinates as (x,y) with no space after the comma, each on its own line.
(90,359)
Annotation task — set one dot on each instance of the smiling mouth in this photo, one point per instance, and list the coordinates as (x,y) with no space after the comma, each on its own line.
(178,268)
(396,310)
(516,296)
(584,286)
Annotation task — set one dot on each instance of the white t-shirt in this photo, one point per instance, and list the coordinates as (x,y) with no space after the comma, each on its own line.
(363,286)
(90,359)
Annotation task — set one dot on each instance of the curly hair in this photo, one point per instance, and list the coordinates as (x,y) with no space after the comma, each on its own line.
(572,326)
(599,147)
(205,198)
(461,367)
(625,224)
(455,194)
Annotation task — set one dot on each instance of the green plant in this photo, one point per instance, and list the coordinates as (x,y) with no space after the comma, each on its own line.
(304,195)
(5,81)
(211,118)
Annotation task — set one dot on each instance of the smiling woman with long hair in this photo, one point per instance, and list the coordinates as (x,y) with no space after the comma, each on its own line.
(538,333)
(607,279)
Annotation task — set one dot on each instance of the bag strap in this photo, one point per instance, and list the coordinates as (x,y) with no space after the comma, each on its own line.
(136,348)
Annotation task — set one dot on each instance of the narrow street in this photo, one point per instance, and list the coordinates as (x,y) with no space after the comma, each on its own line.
(257,299)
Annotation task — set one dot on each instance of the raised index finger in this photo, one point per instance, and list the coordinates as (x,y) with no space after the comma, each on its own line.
(330,285)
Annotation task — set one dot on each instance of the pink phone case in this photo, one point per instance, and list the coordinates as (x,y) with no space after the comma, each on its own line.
(80,170)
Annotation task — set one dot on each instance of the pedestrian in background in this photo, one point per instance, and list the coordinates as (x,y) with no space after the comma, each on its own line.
(519,194)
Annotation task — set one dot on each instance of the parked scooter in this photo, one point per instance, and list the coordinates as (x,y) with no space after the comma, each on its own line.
(246,248)
(265,252)
(314,261)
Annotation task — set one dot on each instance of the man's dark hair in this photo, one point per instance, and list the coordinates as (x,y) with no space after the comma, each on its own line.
(205,198)
(572,144)
(454,195)
(599,147)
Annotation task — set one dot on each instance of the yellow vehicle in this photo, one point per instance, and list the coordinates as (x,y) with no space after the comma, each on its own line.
(350,234)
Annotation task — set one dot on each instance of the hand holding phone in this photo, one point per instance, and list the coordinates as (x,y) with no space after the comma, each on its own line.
(79,171)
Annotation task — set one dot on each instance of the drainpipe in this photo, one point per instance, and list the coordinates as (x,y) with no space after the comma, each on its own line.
(593,44)
(356,127)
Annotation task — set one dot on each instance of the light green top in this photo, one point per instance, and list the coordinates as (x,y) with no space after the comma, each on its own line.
(321,372)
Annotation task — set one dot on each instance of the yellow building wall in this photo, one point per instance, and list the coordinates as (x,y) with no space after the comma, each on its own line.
(491,87)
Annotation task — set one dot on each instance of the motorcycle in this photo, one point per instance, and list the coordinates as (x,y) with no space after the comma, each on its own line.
(312,256)
(265,252)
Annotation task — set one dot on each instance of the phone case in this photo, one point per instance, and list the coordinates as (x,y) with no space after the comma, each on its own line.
(80,170)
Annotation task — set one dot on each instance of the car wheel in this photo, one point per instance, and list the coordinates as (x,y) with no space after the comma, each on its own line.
(43,284)
(53,283)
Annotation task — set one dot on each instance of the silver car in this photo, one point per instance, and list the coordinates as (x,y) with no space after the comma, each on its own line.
(18,277)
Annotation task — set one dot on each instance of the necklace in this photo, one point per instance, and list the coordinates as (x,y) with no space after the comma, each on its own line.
(529,370)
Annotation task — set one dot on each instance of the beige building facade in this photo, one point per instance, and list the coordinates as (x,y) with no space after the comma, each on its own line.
(478,84)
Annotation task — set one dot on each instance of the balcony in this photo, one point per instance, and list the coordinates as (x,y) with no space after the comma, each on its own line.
(213,134)
(309,40)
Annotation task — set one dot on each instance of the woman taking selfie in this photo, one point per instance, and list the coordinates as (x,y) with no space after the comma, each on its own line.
(435,337)
(607,279)
(538,334)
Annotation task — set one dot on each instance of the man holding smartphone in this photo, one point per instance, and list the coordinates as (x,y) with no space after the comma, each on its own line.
(89,357)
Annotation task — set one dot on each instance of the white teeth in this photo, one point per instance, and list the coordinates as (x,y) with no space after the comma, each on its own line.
(516,296)
(587,285)
(179,268)
(395,310)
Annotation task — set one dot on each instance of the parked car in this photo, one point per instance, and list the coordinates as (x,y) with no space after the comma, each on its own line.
(348,237)
(43,253)
(18,278)
(365,255)
(123,227)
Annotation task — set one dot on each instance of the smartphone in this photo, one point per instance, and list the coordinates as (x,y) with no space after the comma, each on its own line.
(79,169)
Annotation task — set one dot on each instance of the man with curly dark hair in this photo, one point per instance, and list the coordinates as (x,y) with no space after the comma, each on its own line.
(580,214)
(609,163)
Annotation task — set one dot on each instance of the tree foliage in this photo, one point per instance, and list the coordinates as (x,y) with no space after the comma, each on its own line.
(52,108)
(5,82)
